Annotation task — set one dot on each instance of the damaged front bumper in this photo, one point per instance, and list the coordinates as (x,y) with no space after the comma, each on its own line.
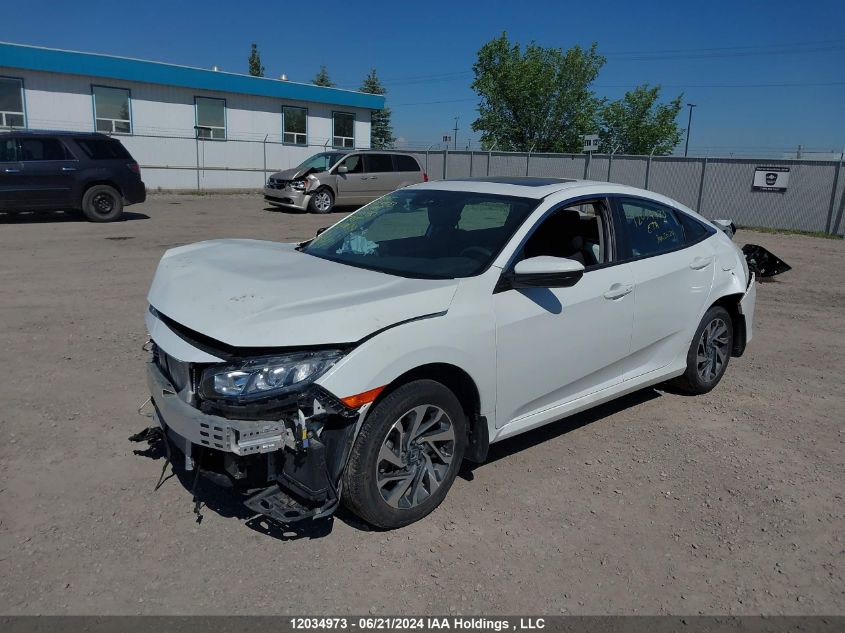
(290,466)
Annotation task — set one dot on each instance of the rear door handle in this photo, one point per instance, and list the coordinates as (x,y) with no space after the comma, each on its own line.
(700,262)
(68,168)
(11,170)
(617,291)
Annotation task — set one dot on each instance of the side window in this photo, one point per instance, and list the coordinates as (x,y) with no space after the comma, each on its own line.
(36,149)
(576,232)
(378,163)
(295,125)
(112,110)
(8,150)
(694,231)
(211,117)
(405,163)
(652,228)
(343,129)
(354,164)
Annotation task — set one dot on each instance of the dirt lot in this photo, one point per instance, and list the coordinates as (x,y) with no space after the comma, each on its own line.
(726,503)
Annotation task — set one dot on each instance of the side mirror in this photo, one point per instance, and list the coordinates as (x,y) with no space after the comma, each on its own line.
(320,230)
(546,272)
(342,169)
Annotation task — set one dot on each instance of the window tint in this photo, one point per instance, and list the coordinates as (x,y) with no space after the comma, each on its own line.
(294,122)
(8,150)
(11,103)
(211,118)
(378,163)
(652,228)
(111,110)
(405,163)
(693,229)
(43,149)
(343,129)
(102,149)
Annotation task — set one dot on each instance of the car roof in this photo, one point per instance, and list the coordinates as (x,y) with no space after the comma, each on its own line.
(29,132)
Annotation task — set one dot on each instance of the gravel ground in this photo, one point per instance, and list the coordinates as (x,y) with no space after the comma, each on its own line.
(658,503)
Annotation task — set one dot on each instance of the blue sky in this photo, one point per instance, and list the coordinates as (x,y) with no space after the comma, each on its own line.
(711,51)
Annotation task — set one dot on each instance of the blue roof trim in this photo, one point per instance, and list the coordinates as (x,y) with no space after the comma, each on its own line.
(95,65)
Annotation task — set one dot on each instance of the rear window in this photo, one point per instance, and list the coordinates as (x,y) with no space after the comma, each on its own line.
(102,149)
(405,163)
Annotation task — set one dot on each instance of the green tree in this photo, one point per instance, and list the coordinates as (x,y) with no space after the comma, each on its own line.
(639,124)
(539,99)
(381,130)
(322,78)
(255,67)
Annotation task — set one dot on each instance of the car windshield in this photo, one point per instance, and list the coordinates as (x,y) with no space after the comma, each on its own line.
(424,233)
(322,161)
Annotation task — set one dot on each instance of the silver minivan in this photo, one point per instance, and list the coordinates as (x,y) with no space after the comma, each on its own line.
(342,178)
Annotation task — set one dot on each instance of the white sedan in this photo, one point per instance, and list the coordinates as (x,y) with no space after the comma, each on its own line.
(364,365)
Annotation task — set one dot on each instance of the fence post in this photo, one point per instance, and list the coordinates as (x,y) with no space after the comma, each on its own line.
(648,170)
(264,173)
(445,162)
(489,159)
(527,162)
(609,165)
(701,185)
(587,165)
(197,143)
(470,163)
(827,226)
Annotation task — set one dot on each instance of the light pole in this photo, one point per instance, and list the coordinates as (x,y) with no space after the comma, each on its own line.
(456,132)
(689,125)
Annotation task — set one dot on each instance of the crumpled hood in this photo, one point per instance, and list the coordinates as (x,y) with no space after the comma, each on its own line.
(292,174)
(252,293)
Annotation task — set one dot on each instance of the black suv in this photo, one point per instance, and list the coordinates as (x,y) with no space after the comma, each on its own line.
(86,172)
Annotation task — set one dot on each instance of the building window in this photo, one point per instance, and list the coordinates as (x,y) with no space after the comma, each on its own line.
(112,112)
(11,103)
(211,118)
(343,132)
(295,125)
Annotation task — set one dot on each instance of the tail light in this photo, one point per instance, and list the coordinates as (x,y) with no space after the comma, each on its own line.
(134,167)
(425,177)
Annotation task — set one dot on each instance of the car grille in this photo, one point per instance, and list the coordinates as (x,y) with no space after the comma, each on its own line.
(275,183)
(177,371)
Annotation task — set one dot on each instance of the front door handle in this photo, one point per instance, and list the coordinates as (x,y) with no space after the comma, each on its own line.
(68,168)
(617,291)
(12,170)
(700,262)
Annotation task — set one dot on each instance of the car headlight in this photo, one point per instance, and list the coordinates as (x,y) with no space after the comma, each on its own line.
(266,376)
(299,185)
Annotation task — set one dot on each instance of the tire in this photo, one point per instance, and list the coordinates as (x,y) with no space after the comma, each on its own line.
(102,203)
(322,201)
(709,353)
(393,492)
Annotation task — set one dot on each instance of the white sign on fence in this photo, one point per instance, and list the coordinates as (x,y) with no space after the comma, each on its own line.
(771,178)
(591,142)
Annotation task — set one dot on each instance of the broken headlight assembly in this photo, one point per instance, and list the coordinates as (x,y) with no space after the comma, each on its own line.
(266,376)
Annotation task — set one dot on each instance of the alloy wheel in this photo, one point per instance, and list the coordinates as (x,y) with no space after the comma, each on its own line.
(712,353)
(415,456)
(322,201)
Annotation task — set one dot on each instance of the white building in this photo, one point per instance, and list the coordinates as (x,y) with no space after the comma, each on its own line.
(188,127)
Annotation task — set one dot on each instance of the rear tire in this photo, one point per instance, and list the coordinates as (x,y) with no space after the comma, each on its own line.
(322,201)
(709,353)
(406,455)
(102,203)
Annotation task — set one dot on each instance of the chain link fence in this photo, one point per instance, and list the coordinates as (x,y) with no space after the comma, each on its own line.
(715,187)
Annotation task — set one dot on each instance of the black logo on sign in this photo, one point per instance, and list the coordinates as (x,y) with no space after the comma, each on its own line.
(771,179)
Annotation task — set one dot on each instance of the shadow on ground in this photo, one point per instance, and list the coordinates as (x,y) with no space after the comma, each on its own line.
(228,503)
(44,217)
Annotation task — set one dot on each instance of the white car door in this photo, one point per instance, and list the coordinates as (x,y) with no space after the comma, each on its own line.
(556,345)
(673,274)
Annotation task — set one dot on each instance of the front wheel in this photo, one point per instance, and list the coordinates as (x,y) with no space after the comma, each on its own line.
(709,353)
(102,203)
(322,201)
(406,455)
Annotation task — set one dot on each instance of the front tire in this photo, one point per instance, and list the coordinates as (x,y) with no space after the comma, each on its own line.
(102,203)
(406,455)
(709,353)
(322,201)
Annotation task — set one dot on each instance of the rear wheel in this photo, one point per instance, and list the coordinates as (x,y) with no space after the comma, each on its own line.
(102,203)
(709,353)
(322,201)
(406,455)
